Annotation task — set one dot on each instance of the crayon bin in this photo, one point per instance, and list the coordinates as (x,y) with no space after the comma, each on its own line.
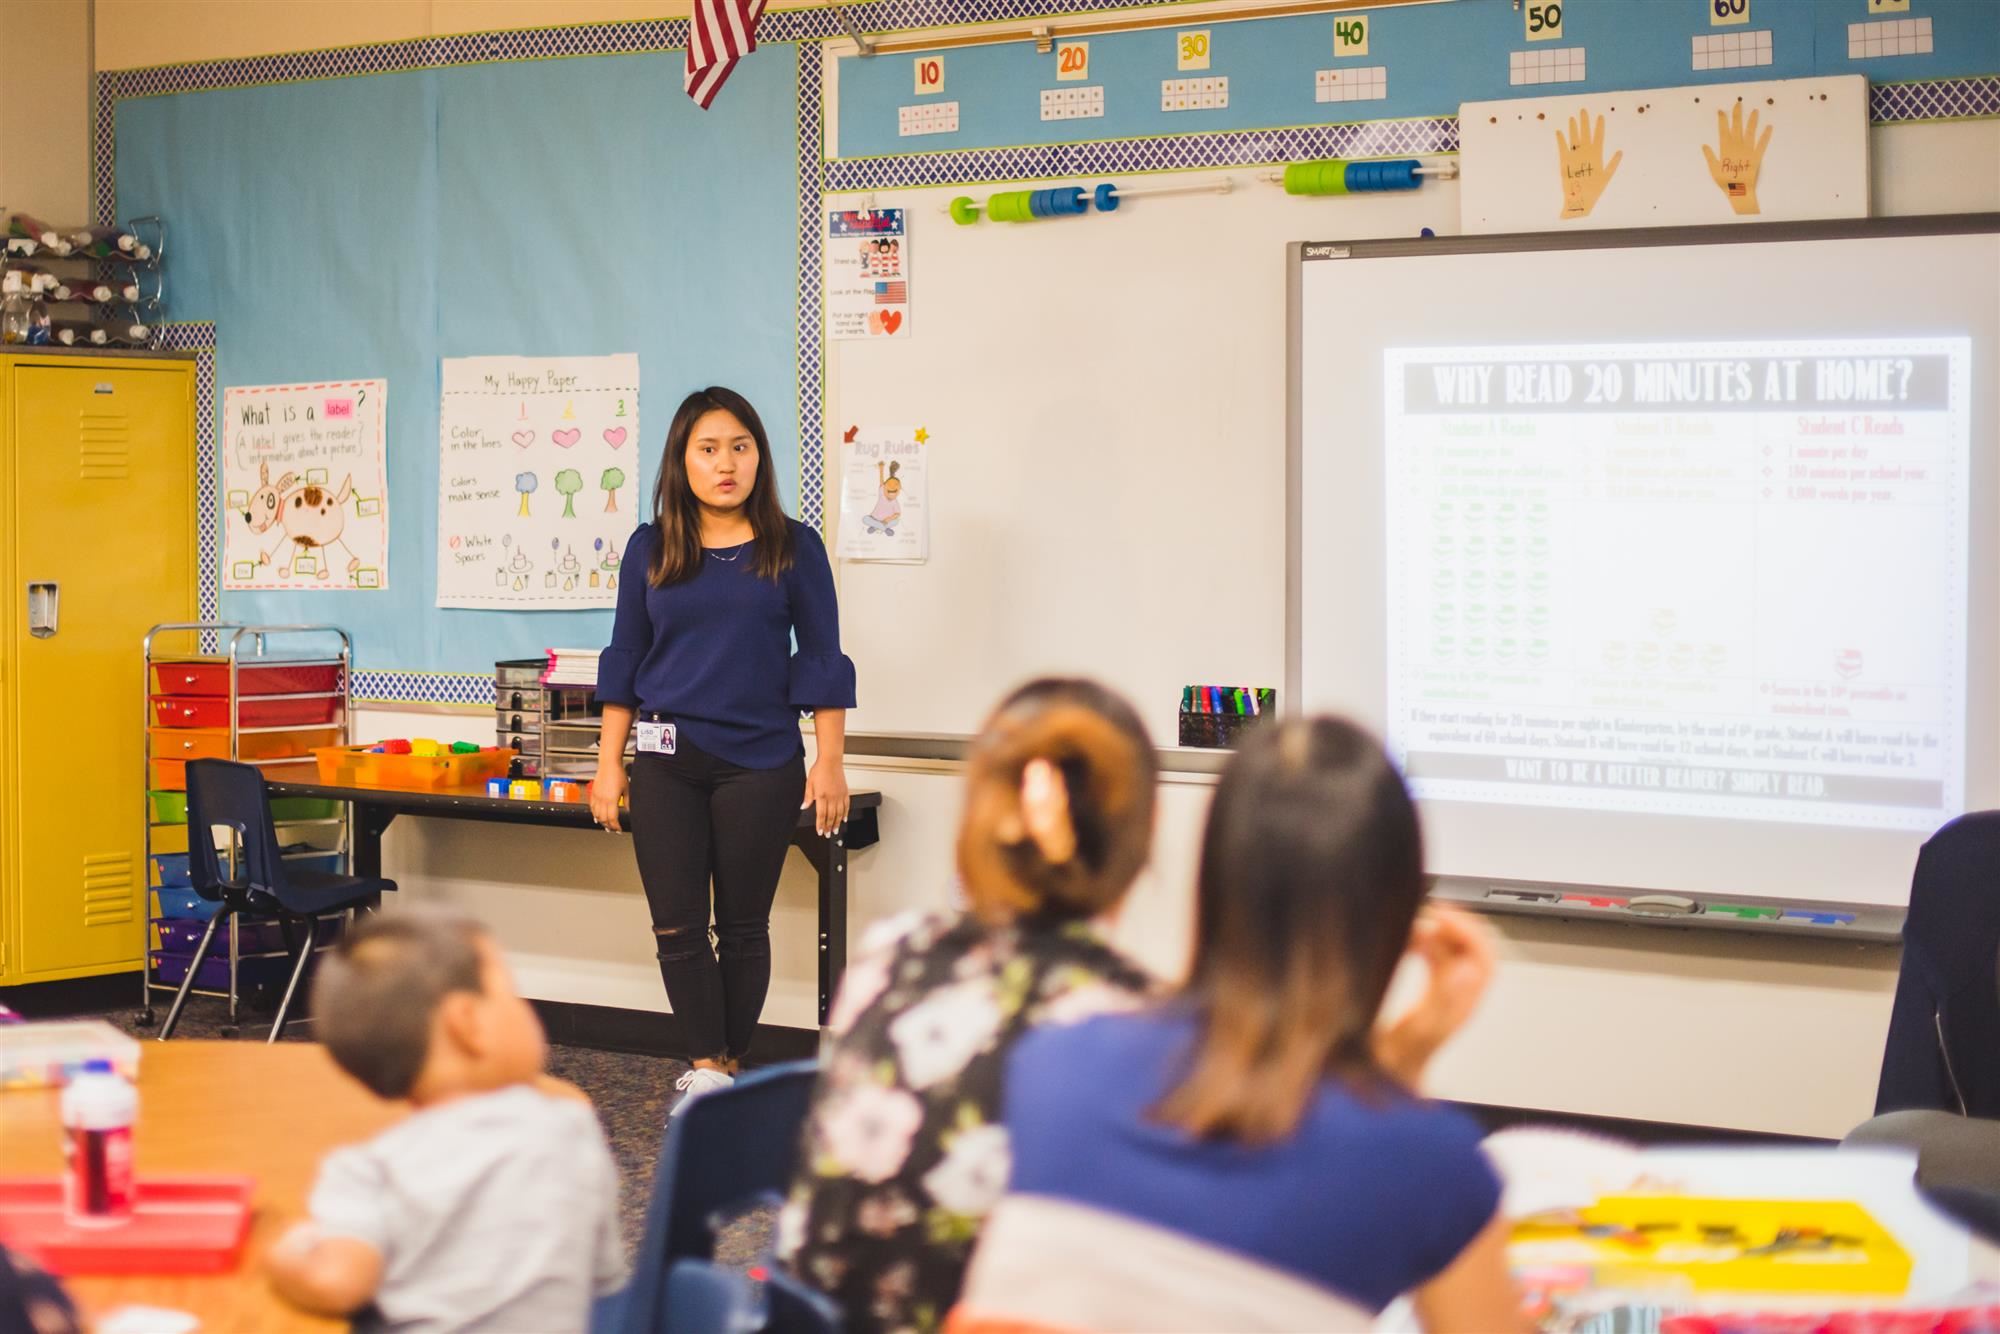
(1216,731)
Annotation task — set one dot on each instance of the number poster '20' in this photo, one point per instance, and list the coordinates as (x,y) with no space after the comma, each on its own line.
(538,480)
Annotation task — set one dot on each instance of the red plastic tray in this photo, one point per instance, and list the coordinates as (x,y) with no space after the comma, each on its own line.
(209,711)
(212,678)
(180,1225)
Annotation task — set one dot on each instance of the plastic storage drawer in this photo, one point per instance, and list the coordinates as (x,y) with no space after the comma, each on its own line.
(170,870)
(275,678)
(253,935)
(210,711)
(212,743)
(186,905)
(171,966)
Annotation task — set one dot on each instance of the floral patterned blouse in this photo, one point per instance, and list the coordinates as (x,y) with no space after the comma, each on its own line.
(904,1152)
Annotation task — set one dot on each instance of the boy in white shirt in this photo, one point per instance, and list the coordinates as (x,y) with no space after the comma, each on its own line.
(494,1206)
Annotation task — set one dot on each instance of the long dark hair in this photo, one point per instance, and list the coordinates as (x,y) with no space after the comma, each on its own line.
(678,513)
(1311,877)
(1109,774)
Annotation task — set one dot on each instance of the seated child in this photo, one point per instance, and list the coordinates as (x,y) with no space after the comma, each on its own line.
(494,1206)
(902,1155)
(1252,1154)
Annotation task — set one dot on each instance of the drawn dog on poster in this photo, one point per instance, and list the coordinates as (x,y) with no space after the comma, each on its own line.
(312,519)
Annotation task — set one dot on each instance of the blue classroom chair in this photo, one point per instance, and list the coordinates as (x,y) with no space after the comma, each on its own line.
(737,1146)
(225,794)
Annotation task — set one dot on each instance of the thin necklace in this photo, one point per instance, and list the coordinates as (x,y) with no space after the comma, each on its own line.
(717,551)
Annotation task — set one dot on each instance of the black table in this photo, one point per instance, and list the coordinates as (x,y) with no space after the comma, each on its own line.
(376,808)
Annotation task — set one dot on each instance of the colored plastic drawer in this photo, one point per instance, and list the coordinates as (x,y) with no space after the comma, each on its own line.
(185,905)
(303,808)
(170,966)
(170,807)
(253,935)
(212,743)
(207,711)
(170,871)
(357,766)
(171,775)
(212,678)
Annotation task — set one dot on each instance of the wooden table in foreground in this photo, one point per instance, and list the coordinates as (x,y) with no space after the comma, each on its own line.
(268,1112)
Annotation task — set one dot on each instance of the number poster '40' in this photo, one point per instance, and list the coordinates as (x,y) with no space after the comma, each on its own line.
(538,480)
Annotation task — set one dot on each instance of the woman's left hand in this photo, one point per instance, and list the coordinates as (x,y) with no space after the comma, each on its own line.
(826,790)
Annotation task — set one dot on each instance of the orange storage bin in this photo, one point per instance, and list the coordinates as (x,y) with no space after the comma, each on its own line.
(358,766)
(212,743)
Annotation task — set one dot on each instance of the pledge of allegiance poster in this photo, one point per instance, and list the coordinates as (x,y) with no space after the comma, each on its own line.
(867,267)
(538,480)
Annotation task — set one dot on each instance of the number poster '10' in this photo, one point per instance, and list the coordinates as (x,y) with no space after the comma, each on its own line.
(538,480)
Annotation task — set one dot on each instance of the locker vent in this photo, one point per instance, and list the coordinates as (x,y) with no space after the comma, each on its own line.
(105,448)
(108,889)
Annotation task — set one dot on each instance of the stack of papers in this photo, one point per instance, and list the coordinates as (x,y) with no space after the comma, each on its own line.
(571,667)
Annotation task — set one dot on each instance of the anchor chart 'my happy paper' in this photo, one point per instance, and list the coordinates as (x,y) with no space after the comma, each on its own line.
(538,480)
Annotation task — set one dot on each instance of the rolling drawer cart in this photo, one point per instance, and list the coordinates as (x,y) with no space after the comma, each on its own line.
(267,695)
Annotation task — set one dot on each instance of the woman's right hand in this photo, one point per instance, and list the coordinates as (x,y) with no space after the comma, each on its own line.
(606,791)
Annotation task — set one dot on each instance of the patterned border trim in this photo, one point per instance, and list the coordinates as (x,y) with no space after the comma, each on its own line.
(1935,99)
(473,688)
(584,39)
(809,331)
(1181,152)
(199,338)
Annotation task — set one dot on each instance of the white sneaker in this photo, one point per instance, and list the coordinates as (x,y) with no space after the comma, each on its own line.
(695,1082)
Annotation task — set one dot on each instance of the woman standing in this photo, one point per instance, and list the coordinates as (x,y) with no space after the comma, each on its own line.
(702,663)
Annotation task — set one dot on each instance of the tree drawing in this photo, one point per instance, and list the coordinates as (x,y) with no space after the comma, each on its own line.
(525,483)
(568,482)
(613,479)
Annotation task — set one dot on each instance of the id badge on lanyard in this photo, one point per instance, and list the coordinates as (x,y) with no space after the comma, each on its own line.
(657,738)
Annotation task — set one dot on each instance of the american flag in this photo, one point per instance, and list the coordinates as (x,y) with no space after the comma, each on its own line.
(892,294)
(720,33)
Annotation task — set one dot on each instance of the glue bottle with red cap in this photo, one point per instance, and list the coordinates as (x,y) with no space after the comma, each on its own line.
(98,1109)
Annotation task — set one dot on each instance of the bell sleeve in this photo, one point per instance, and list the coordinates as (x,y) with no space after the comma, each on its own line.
(631,626)
(822,677)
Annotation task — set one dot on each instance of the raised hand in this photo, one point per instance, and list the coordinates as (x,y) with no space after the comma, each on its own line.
(1457,952)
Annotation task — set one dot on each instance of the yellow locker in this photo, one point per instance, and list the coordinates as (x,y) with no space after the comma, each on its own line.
(97,537)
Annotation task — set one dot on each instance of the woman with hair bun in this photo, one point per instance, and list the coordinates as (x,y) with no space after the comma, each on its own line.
(904,1155)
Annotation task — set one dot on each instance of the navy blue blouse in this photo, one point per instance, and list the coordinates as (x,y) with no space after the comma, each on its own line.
(713,653)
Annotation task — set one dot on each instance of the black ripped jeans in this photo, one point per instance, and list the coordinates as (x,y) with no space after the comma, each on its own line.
(697,819)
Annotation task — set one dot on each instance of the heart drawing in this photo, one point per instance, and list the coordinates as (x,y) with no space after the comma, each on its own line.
(566,438)
(892,320)
(614,436)
(524,438)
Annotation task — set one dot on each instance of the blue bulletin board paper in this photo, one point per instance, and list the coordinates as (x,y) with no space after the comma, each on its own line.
(367,227)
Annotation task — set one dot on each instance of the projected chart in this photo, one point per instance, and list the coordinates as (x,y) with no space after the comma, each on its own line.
(1716,579)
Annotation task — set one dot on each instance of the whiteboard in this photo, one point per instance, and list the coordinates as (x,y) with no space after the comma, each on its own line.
(1105,403)
(1721,609)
